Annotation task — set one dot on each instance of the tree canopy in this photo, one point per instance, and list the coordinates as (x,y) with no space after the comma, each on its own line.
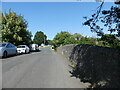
(64,38)
(109,18)
(40,38)
(14,29)
(103,20)
(60,38)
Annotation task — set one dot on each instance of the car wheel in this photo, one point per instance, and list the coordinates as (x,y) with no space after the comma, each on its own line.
(29,51)
(25,51)
(5,54)
(16,53)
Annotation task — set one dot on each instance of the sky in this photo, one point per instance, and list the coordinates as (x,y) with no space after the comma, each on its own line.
(55,0)
(54,17)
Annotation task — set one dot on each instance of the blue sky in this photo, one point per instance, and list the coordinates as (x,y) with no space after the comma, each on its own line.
(54,17)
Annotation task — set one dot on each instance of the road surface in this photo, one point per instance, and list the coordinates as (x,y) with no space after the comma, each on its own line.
(44,69)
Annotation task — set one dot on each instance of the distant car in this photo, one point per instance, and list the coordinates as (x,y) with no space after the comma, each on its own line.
(7,49)
(23,49)
(34,47)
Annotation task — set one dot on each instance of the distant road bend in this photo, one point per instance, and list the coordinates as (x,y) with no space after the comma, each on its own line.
(44,69)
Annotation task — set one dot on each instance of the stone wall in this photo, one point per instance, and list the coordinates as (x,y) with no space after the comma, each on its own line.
(66,50)
(94,64)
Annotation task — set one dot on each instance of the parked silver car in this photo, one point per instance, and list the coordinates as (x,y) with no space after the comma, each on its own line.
(23,49)
(7,49)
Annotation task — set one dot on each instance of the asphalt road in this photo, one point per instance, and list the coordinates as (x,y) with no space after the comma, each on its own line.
(44,69)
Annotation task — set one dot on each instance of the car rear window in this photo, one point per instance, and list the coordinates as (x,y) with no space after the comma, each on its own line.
(2,45)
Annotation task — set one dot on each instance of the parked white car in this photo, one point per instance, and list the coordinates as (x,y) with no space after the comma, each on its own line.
(23,49)
(34,47)
(7,49)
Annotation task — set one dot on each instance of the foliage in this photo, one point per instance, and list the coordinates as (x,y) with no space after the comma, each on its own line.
(14,29)
(40,38)
(60,38)
(77,36)
(110,19)
(111,40)
(88,40)
(50,42)
(64,38)
(70,40)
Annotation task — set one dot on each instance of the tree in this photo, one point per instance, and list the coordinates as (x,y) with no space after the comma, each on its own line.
(64,38)
(40,38)
(77,36)
(14,29)
(112,40)
(50,42)
(70,40)
(110,18)
(60,38)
